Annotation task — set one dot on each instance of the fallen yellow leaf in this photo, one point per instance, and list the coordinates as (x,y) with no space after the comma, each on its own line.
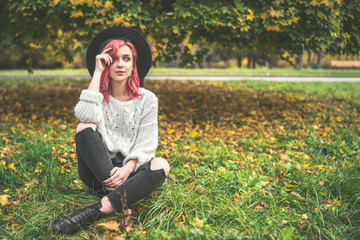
(336,202)
(5,200)
(170,130)
(237,197)
(198,222)
(111,226)
(62,160)
(66,168)
(221,170)
(194,133)
(2,164)
(118,238)
(12,166)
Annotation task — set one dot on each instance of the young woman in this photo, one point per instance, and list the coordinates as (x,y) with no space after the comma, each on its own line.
(117,135)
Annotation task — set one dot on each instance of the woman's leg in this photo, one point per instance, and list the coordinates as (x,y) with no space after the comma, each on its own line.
(94,163)
(139,185)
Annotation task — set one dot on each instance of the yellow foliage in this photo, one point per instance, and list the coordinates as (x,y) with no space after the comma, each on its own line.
(221,170)
(198,222)
(109,5)
(12,166)
(119,20)
(194,133)
(76,14)
(250,16)
(4,200)
(111,226)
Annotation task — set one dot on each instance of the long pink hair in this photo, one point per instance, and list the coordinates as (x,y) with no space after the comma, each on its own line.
(133,80)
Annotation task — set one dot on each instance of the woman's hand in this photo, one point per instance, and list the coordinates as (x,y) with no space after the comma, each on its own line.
(102,60)
(117,177)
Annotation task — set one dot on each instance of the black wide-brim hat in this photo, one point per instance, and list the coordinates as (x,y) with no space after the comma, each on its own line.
(143,61)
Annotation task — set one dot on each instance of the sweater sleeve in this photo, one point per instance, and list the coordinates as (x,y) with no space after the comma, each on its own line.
(88,109)
(147,138)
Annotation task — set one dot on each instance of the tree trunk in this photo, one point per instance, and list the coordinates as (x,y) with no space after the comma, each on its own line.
(239,59)
(301,64)
(309,59)
(270,61)
(254,61)
(299,61)
(318,59)
(249,61)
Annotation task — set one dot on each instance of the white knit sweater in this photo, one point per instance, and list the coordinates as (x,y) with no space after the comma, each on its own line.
(130,128)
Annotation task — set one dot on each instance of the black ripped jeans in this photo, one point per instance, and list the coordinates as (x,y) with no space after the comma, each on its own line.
(95,164)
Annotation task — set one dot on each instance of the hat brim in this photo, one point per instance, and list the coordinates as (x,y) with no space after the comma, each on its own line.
(143,62)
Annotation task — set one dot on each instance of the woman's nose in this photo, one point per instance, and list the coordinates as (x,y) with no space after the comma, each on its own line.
(120,63)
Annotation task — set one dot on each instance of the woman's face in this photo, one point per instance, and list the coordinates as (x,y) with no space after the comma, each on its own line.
(122,65)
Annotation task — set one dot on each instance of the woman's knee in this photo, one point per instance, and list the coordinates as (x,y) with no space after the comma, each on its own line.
(160,163)
(81,126)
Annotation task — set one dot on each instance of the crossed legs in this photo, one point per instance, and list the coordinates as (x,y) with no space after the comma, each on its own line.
(95,164)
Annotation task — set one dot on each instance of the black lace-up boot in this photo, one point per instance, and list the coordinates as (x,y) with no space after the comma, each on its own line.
(77,220)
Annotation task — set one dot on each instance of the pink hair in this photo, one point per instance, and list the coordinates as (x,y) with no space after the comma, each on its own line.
(133,80)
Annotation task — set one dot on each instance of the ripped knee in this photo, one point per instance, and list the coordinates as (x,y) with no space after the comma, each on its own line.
(81,126)
(160,163)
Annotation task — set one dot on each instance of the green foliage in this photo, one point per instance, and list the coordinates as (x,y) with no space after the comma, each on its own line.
(175,27)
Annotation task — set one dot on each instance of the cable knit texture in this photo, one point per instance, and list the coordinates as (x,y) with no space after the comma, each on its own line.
(130,128)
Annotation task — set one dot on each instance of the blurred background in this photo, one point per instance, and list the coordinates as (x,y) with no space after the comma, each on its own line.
(54,34)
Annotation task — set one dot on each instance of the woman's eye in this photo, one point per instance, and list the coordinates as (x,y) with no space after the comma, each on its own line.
(127,58)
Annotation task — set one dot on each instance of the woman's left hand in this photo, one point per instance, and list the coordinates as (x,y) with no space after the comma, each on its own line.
(117,177)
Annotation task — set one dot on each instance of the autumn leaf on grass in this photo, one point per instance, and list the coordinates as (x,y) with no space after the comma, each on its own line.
(5,200)
(332,203)
(239,197)
(3,164)
(73,157)
(118,238)
(221,170)
(62,160)
(111,226)
(170,131)
(260,206)
(197,222)
(12,167)
(194,133)
(31,183)
(66,168)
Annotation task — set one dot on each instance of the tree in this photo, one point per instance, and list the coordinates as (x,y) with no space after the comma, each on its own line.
(268,28)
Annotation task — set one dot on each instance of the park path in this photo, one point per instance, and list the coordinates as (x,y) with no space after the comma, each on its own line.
(209,77)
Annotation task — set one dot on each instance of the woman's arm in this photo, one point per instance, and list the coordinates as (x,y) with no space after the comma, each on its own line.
(102,60)
(95,82)
(88,108)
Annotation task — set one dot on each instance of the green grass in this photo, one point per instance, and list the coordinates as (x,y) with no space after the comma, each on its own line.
(333,90)
(177,71)
(249,160)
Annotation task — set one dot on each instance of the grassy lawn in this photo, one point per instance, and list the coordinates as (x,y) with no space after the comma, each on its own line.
(250,160)
(177,71)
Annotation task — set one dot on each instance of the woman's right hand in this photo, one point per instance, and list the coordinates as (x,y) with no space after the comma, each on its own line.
(102,60)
